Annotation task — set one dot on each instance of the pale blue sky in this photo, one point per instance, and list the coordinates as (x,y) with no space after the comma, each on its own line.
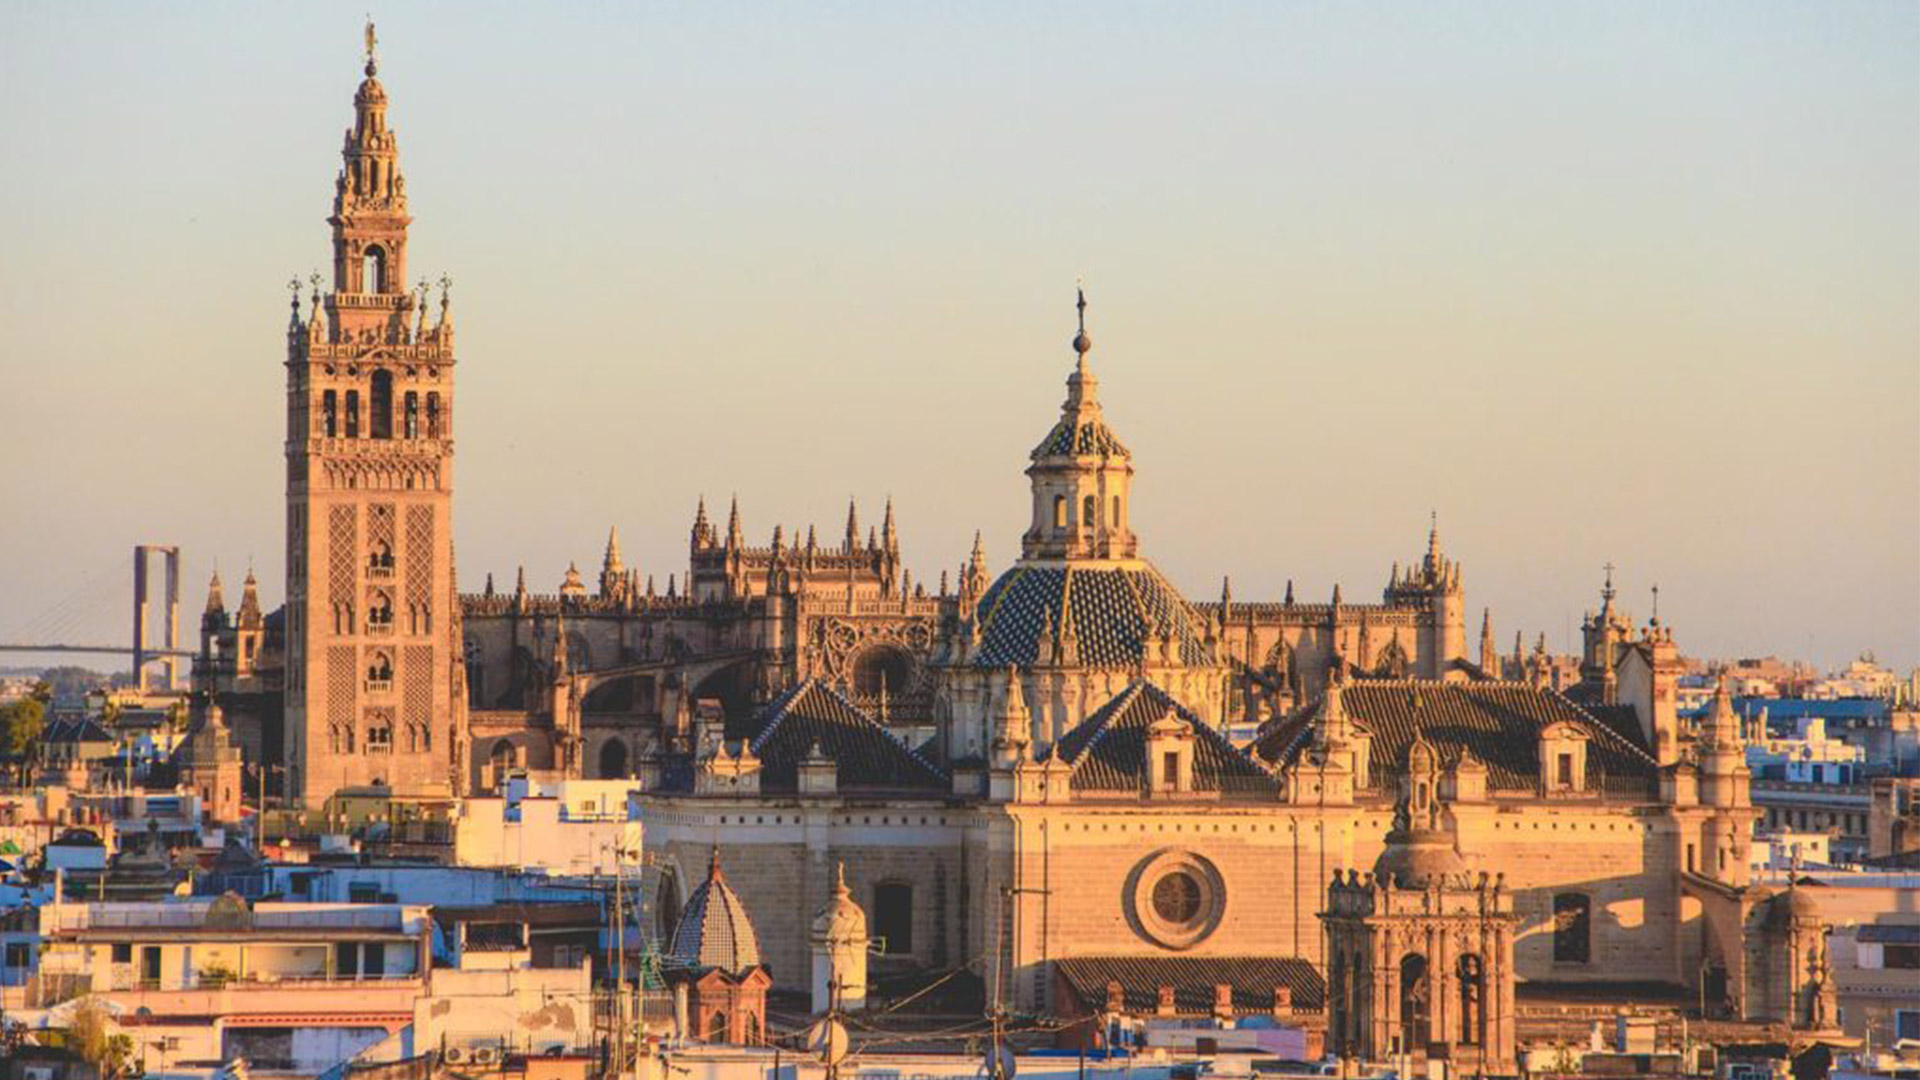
(1619,281)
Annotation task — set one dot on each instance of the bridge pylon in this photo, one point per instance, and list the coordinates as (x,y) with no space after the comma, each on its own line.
(142,557)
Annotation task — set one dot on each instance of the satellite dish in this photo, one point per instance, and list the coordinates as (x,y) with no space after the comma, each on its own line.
(828,1038)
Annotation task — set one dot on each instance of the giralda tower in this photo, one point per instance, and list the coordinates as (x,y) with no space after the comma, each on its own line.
(375,688)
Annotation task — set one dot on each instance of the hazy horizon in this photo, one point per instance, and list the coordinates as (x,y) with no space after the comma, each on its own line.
(1599,283)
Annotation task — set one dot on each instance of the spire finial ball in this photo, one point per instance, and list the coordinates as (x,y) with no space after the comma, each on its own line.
(1082,344)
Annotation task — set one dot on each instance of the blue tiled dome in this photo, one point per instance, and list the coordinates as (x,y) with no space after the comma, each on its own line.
(1112,612)
(714,931)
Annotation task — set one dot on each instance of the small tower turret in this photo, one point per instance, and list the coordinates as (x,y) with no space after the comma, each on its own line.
(839,946)
(1081,475)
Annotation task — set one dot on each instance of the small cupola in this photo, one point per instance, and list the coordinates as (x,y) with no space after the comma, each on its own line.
(1170,743)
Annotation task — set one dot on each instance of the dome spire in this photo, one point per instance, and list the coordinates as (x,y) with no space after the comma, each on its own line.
(373,42)
(1082,387)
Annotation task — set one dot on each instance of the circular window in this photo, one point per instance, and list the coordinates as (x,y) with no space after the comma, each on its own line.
(1176,899)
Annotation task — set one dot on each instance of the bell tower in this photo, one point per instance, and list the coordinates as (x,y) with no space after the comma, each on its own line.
(375,688)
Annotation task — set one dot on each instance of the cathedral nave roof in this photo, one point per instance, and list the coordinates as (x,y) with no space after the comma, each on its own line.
(813,717)
(1108,750)
(1498,722)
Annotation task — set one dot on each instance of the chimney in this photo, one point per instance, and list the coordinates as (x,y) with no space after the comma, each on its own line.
(1116,997)
(1282,1001)
(1166,1001)
(1223,1002)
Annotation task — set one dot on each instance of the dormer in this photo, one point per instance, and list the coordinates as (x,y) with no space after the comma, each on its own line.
(1170,744)
(1468,779)
(727,772)
(1563,759)
(818,774)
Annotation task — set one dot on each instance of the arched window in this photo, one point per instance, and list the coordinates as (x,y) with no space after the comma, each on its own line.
(666,905)
(380,422)
(380,559)
(750,1024)
(380,672)
(500,761)
(893,916)
(1089,513)
(476,671)
(1115,520)
(1572,928)
(433,415)
(880,669)
(1414,1003)
(373,270)
(353,414)
(329,414)
(717,1026)
(411,424)
(1059,511)
(380,611)
(613,760)
(1473,987)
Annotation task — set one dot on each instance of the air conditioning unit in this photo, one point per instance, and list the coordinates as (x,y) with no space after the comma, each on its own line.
(484,1055)
(452,1055)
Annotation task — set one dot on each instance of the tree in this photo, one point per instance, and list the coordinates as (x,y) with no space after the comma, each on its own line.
(90,1034)
(21,724)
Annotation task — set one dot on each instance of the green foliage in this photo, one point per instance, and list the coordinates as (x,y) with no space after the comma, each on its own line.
(21,724)
(90,1034)
(68,682)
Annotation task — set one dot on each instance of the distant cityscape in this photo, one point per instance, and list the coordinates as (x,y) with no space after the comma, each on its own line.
(794,813)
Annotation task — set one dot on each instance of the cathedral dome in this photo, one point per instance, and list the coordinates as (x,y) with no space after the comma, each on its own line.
(1101,616)
(714,931)
(1417,858)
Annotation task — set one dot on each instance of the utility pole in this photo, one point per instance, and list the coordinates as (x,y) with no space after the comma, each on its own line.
(619,969)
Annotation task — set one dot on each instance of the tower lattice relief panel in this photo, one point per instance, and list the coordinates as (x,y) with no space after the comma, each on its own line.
(342,672)
(342,544)
(416,684)
(419,556)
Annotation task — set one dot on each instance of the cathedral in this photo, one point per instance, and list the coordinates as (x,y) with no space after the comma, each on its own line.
(1063,771)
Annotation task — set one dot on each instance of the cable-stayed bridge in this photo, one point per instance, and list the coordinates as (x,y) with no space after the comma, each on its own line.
(56,629)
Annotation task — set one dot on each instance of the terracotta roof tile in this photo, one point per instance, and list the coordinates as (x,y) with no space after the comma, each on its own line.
(867,756)
(1499,722)
(1193,978)
(1108,750)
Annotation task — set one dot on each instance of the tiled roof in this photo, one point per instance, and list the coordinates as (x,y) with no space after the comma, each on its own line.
(714,930)
(1193,978)
(1499,722)
(866,755)
(1108,750)
(1085,435)
(1111,611)
(75,731)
